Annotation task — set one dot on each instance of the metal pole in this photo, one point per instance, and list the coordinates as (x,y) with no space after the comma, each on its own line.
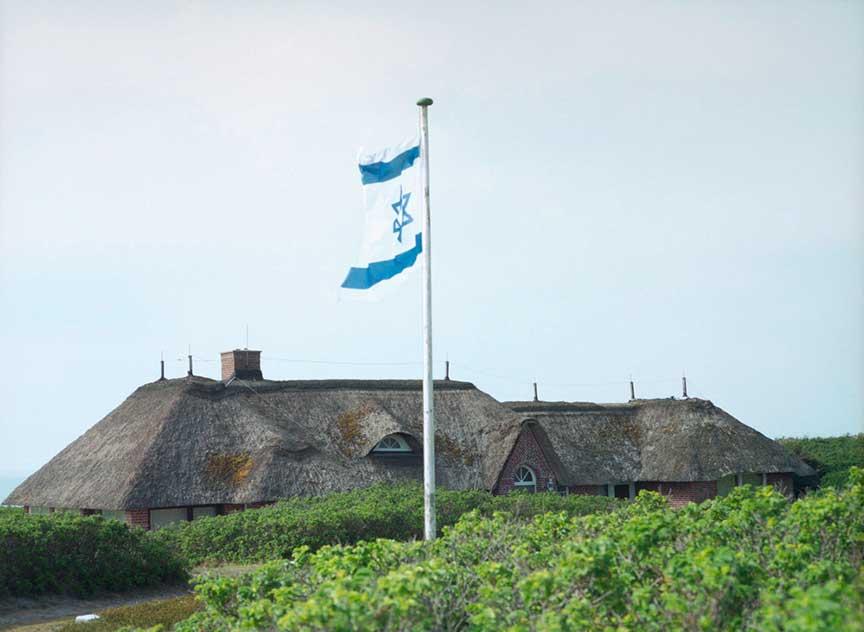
(429,528)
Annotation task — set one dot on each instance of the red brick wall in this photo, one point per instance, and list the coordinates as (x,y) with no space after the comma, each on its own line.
(138,518)
(526,452)
(680,494)
(782,482)
(245,363)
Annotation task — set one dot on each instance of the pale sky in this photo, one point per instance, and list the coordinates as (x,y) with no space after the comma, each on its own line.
(617,188)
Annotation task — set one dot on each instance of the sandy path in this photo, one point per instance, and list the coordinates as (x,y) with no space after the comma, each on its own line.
(16,612)
(20,611)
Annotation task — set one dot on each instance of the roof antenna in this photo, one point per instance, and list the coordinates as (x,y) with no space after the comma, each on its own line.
(535,392)
(447,370)
(247,336)
(632,389)
(684,384)
(189,374)
(162,365)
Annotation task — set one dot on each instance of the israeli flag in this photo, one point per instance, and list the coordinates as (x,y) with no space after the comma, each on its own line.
(392,238)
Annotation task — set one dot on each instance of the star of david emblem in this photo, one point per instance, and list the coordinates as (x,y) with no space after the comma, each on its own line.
(402,217)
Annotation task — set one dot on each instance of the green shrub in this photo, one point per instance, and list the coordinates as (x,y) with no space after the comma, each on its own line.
(67,553)
(747,561)
(832,457)
(382,511)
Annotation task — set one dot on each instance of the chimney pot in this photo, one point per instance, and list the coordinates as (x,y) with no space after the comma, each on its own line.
(243,364)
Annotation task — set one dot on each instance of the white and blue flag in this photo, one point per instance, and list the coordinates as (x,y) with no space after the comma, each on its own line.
(392,238)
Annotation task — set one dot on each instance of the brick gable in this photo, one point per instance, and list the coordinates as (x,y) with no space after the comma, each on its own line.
(527,451)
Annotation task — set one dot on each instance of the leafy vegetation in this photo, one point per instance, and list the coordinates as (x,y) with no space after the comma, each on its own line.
(164,612)
(750,560)
(382,511)
(832,457)
(67,553)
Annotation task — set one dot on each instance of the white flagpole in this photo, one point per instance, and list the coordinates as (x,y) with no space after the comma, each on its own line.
(428,407)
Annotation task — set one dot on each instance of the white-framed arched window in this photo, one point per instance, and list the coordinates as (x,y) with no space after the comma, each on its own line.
(392,444)
(525,479)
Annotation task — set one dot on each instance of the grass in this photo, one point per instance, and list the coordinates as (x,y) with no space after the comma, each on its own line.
(165,612)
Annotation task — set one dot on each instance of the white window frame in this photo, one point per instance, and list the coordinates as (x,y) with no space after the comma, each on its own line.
(525,484)
(402,448)
(631,489)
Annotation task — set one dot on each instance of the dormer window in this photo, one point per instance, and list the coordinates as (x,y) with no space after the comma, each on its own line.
(392,444)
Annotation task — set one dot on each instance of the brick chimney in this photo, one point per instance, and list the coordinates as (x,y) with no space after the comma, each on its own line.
(244,364)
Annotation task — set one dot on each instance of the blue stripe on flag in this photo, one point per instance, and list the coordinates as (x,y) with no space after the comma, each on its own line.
(383,171)
(377,271)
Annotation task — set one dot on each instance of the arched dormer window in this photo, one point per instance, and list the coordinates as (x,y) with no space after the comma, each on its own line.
(392,444)
(524,479)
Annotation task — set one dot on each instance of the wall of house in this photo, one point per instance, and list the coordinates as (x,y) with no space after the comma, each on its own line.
(156,518)
(527,451)
(783,482)
(680,494)
(138,518)
(588,490)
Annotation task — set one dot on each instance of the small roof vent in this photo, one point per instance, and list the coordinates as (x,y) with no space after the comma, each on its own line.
(242,364)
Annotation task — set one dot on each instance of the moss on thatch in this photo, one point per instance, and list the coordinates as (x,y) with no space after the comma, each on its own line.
(350,425)
(448,447)
(229,469)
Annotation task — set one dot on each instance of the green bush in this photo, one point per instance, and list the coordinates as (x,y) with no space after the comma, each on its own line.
(382,511)
(832,457)
(67,553)
(747,561)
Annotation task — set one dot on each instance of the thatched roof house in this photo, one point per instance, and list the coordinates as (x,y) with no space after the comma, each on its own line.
(643,443)
(178,449)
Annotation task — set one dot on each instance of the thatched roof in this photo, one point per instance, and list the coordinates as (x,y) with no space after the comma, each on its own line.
(199,442)
(652,440)
(186,442)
